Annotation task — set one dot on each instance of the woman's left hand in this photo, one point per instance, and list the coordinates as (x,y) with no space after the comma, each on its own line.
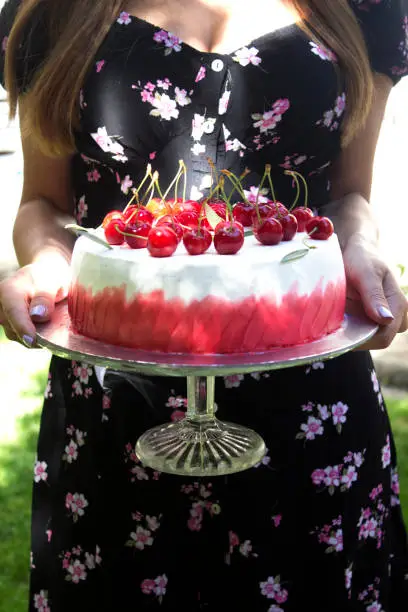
(373,289)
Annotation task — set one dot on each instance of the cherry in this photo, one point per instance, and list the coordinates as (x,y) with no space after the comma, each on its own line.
(242,212)
(187,219)
(278,209)
(157,207)
(136,234)
(162,241)
(228,237)
(176,227)
(269,231)
(289,225)
(303,215)
(113,230)
(263,210)
(320,228)
(114,214)
(138,213)
(219,207)
(187,206)
(197,240)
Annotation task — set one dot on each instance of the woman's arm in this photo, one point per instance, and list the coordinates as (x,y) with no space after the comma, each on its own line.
(371,285)
(42,245)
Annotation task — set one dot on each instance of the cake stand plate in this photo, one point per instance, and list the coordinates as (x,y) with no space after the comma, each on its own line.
(200,444)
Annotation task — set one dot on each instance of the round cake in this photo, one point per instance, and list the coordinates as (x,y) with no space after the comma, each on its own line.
(258,299)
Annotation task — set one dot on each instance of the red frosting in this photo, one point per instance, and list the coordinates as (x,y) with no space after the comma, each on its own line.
(211,325)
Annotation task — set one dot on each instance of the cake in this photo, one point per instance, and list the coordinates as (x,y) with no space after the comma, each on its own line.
(260,298)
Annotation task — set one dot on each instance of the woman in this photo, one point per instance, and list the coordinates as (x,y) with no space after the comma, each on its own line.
(318,524)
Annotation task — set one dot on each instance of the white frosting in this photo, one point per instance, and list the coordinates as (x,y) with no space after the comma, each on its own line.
(256,270)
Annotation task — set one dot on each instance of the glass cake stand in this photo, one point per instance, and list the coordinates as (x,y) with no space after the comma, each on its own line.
(200,444)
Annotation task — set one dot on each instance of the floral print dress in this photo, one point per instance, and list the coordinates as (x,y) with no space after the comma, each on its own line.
(317,524)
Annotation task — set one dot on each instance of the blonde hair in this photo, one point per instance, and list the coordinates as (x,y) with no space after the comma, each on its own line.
(77,28)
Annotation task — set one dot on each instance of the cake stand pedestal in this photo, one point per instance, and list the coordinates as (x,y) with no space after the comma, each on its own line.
(200,444)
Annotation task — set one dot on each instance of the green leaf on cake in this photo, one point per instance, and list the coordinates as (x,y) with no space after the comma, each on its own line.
(248,232)
(89,233)
(212,217)
(294,255)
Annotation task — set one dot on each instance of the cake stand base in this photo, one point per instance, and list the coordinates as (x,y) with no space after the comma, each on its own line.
(209,448)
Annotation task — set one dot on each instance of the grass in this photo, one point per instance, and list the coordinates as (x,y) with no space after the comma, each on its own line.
(22,378)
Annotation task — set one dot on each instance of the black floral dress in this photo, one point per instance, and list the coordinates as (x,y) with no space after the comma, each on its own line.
(317,525)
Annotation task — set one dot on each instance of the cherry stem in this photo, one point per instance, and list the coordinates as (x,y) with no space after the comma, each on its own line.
(302,178)
(127,233)
(226,199)
(184,180)
(175,180)
(268,174)
(137,190)
(257,195)
(153,179)
(295,178)
(213,172)
(237,182)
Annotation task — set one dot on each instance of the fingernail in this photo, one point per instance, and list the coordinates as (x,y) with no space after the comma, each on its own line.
(28,341)
(38,311)
(384,312)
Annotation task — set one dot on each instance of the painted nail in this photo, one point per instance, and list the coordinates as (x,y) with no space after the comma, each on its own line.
(38,311)
(28,341)
(384,312)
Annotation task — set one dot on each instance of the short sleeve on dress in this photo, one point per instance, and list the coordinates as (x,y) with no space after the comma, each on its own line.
(33,46)
(384,24)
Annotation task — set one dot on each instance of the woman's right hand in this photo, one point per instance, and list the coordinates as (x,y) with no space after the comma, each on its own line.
(28,297)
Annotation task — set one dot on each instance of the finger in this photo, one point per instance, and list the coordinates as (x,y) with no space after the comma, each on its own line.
(374,301)
(47,290)
(14,296)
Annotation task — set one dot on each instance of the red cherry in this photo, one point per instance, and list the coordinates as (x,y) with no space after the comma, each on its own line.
(269,232)
(139,231)
(187,206)
(303,215)
(278,209)
(320,228)
(242,212)
(289,225)
(114,214)
(162,241)
(138,213)
(113,230)
(197,240)
(169,221)
(187,219)
(219,207)
(263,210)
(228,237)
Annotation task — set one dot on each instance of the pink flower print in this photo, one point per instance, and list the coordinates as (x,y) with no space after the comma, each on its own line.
(106,402)
(164,83)
(322,52)
(90,561)
(152,523)
(246,56)
(374,607)
(40,471)
(339,411)
(82,103)
(148,586)
(178,415)
(340,105)
(200,74)
(312,428)
(368,529)
(152,155)
(307,407)
(84,371)
(126,184)
(173,43)
(150,86)
(265,459)
(93,176)
(48,392)
(265,121)
(41,600)
(277,519)
(376,492)
(77,571)
(76,504)
(102,139)
(253,194)
(281,106)
(318,476)
(160,36)
(332,476)
(82,210)
(328,118)
(100,65)
(233,539)
(271,587)
(281,596)
(182,98)
(71,451)
(336,540)
(48,533)
(147,96)
(176,401)
(395,487)
(349,476)
(223,102)
(160,585)
(165,107)
(323,412)
(233,381)
(386,454)
(194,523)
(348,576)
(124,18)
(197,148)
(374,380)
(142,537)
(4,44)
(274,608)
